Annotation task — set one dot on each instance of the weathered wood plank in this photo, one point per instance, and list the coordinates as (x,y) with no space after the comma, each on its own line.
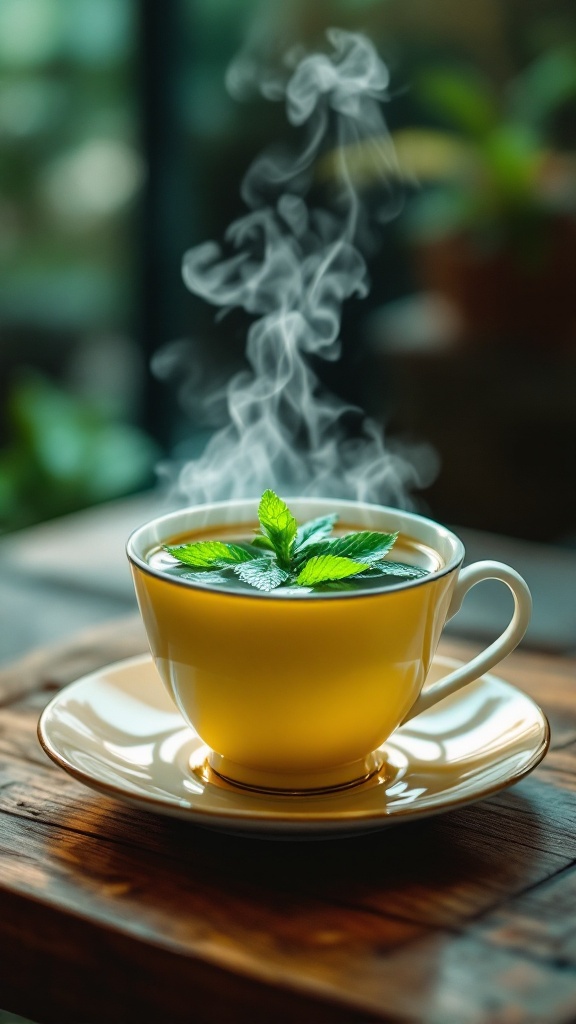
(458,979)
(330,954)
(541,922)
(58,968)
(235,923)
(559,767)
(49,668)
(452,868)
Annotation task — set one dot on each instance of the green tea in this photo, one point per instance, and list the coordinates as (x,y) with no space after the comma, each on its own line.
(406,550)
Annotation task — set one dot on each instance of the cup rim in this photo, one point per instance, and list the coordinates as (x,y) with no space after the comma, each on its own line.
(159,523)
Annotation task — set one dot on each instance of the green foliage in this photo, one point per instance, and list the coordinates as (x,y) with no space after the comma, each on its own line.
(64,455)
(462,97)
(492,151)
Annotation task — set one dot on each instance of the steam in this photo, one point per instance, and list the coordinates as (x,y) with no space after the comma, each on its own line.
(291,266)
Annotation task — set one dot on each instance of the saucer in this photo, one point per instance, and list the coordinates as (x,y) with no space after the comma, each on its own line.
(118,732)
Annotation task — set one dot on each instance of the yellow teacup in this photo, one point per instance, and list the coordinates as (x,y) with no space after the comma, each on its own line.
(299,693)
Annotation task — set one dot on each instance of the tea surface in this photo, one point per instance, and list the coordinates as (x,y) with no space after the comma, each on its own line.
(406,550)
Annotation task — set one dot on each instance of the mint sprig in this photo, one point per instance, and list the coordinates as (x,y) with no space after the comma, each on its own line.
(284,554)
(279,526)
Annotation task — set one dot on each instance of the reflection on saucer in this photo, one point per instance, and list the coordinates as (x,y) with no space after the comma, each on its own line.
(118,732)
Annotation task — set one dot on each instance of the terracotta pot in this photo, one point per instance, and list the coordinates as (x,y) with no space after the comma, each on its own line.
(506,297)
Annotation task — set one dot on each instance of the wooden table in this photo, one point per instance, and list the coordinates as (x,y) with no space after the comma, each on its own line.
(114,915)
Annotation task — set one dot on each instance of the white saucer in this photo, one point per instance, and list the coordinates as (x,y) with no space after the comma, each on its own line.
(117,731)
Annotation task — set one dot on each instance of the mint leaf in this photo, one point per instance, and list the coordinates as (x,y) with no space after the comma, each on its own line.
(399,569)
(321,568)
(206,576)
(204,554)
(279,525)
(314,530)
(366,545)
(262,573)
(260,541)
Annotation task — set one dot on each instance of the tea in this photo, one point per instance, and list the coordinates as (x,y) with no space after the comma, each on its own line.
(407,550)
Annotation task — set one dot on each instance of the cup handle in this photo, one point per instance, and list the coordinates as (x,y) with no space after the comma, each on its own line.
(498,650)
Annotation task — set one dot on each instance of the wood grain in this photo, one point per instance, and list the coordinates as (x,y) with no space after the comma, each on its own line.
(123,915)
(49,668)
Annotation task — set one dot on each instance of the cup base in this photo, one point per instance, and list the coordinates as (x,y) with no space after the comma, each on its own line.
(296,783)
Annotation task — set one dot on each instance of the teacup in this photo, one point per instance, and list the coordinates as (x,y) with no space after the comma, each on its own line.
(299,694)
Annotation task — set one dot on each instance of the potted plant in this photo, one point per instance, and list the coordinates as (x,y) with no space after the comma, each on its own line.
(493,221)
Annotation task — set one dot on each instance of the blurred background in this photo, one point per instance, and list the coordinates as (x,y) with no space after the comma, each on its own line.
(121,148)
